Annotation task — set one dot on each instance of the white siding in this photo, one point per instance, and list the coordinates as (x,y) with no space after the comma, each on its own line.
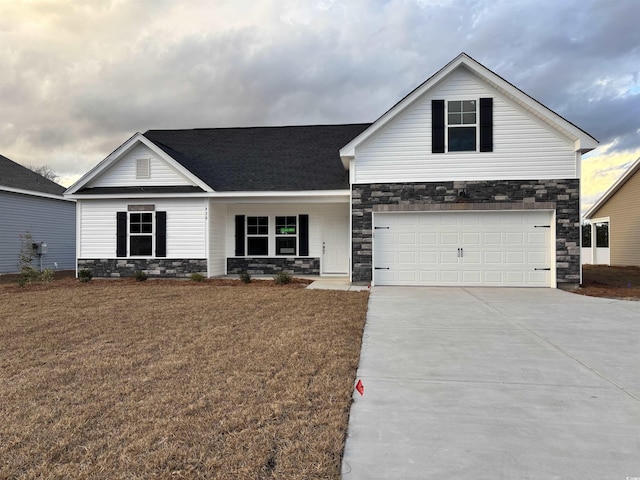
(186,226)
(523,146)
(316,213)
(123,172)
(217,238)
(48,220)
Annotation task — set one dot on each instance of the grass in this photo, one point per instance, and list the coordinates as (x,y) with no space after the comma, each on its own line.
(165,379)
(611,282)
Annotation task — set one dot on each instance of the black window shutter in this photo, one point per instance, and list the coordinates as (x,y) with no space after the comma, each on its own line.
(121,234)
(161,234)
(303,235)
(239,235)
(437,126)
(486,124)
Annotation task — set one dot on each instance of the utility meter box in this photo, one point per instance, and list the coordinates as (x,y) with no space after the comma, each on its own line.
(40,248)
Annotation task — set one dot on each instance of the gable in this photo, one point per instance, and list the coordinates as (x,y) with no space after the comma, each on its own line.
(523,146)
(622,196)
(130,171)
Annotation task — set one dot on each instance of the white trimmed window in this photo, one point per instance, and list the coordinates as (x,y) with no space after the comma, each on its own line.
(286,236)
(462,122)
(258,235)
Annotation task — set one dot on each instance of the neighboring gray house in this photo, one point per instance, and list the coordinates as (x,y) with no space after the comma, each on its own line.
(30,202)
(465,181)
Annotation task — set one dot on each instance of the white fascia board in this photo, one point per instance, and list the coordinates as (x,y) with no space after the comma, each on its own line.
(584,141)
(33,193)
(302,196)
(308,196)
(635,166)
(123,150)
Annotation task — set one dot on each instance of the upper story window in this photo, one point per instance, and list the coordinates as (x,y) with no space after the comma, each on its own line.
(461,125)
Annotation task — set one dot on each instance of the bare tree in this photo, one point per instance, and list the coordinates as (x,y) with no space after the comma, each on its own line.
(46,171)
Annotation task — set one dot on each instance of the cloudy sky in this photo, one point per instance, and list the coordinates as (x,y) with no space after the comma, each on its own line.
(79,77)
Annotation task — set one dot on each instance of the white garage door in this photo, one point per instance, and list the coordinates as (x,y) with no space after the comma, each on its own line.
(505,248)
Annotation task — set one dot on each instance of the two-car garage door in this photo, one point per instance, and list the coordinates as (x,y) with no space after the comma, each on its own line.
(483,248)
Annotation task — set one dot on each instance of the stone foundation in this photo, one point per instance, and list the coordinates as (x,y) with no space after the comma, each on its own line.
(562,195)
(155,267)
(271,266)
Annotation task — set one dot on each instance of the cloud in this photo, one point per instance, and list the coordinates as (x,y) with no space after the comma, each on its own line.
(79,77)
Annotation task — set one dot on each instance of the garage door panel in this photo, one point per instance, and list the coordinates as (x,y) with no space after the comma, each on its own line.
(428,239)
(468,239)
(452,239)
(472,257)
(492,238)
(407,238)
(452,277)
(514,258)
(463,248)
(538,258)
(536,238)
(407,257)
(449,258)
(493,258)
(513,238)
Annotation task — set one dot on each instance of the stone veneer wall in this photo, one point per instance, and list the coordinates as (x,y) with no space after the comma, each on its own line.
(561,195)
(270,266)
(156,267)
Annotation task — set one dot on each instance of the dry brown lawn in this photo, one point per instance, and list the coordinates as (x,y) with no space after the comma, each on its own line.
(166,379)
(610,282)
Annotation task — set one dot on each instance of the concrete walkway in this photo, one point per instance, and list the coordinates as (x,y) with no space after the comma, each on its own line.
(335,283)
(491,383)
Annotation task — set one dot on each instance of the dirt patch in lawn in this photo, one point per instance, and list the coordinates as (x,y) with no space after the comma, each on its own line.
(610,282)
(166,379)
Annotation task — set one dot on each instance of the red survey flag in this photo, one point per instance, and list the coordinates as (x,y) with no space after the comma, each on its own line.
(360,387)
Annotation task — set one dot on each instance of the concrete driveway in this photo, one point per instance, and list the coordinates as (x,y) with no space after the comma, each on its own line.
(495,383)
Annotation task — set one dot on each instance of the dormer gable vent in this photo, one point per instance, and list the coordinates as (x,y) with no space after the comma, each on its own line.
(143,168)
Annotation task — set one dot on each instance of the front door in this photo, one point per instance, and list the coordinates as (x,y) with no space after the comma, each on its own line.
(335,245)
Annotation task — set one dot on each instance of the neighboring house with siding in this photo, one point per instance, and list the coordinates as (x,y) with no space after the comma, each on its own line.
(31,203)
(465,181)
(614,221)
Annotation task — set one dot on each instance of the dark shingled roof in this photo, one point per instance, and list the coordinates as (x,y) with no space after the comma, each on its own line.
(14,175)
(262,158)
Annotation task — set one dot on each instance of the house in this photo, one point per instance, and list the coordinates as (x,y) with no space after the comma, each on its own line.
(465,181)
(34,204)
(614,222)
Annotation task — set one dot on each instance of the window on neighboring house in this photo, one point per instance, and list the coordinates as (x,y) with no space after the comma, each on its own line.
(602,234)
(257,235)
(286,235)
(586,235)
(461,125)
(140,234)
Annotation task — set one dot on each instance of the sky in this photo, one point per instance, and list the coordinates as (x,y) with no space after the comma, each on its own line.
(79,77)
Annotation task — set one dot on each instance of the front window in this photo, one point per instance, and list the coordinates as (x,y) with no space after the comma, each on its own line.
(286,235)
(461,122)
(141,234)
(257,235)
